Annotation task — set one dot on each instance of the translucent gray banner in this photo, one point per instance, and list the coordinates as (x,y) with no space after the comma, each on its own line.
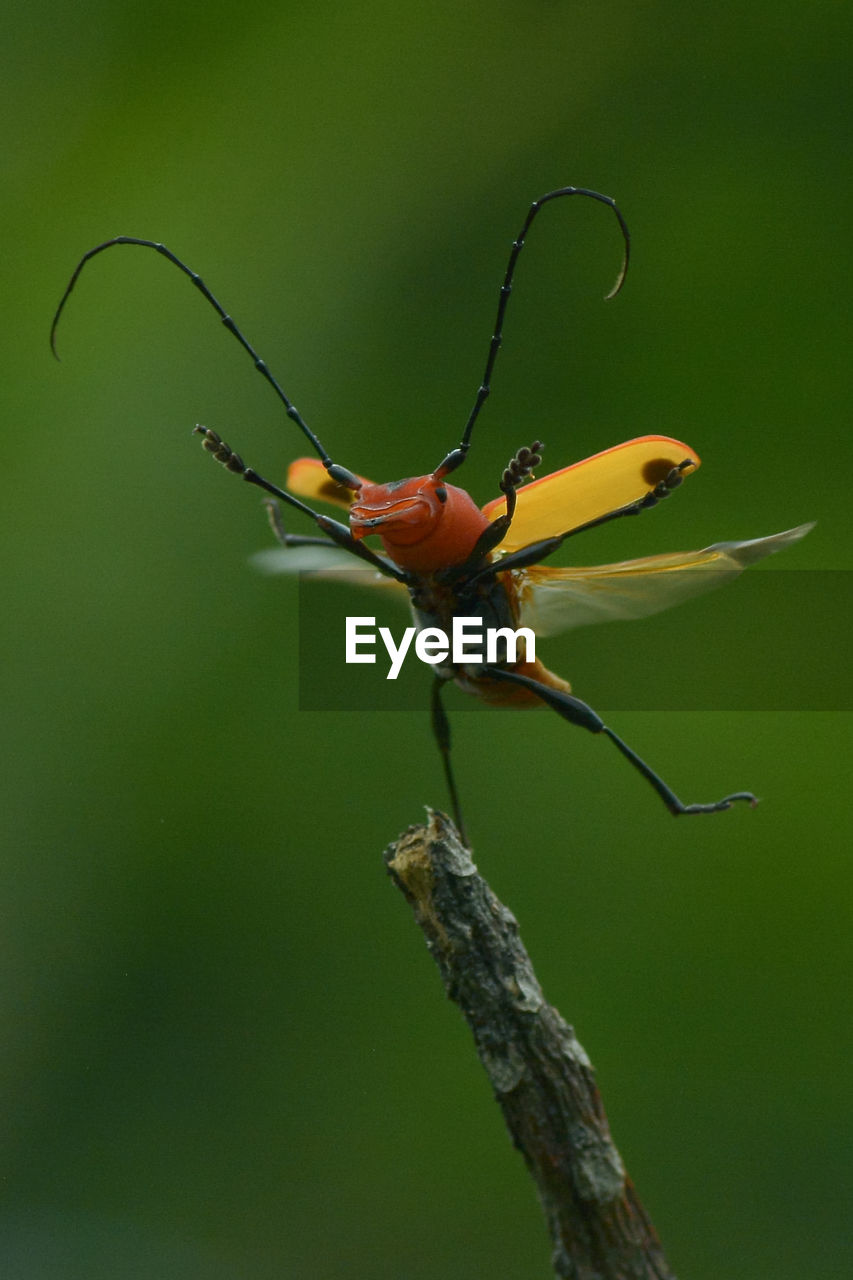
(773,640)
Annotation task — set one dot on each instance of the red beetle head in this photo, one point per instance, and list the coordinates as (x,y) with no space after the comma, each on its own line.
(402,512)
(425,525)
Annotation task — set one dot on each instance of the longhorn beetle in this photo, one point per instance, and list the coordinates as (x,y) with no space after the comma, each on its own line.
(456,560)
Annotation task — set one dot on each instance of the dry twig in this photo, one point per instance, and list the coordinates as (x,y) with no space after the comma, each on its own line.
(539,1072)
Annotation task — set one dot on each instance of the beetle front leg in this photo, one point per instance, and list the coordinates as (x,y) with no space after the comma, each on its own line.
(536,552)
(579,713)
(661,490)
(334,530)
(517,470)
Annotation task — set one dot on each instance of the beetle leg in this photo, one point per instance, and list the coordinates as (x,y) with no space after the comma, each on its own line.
(334,530)
(441,729)
(539,551)
(577,712)
(290,539)
(517,470)
(486,543)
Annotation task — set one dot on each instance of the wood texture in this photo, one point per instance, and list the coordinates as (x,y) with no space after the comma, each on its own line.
(540,1074)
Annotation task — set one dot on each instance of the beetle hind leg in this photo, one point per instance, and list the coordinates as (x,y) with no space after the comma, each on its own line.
(337,533)
(666,793)
(577,712)
(441,730)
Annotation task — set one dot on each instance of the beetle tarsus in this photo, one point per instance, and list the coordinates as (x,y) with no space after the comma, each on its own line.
(222,452)
(662,489)
(517,470)
(726,803)
(520,467)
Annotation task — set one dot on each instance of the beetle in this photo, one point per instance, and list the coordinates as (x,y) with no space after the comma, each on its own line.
(454,559)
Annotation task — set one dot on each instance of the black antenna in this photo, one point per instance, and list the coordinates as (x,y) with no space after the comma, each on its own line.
(457,456)
(341,474)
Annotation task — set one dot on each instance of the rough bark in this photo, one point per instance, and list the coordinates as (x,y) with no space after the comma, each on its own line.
(540,1074)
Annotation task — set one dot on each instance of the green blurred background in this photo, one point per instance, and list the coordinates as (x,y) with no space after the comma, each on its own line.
(225,1050)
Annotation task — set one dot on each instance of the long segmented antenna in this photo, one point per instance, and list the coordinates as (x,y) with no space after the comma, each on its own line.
(457,456)
(341,474)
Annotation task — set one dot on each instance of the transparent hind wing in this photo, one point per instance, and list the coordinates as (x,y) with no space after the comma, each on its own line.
(328,563)
(556,600)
